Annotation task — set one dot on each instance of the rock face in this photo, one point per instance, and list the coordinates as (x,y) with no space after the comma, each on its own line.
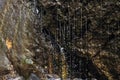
(21,44)
(74,39)
(85,28)
(16,33)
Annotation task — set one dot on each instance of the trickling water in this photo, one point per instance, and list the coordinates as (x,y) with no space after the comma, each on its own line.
(58,36)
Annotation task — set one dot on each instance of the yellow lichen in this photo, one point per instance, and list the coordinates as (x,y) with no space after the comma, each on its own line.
(64,68)
(8,43)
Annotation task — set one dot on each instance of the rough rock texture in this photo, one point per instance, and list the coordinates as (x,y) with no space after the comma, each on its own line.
(16,35)
(69,38)
(23,49)
(89,28)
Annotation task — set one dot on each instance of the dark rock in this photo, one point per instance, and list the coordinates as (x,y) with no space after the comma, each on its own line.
(34,77)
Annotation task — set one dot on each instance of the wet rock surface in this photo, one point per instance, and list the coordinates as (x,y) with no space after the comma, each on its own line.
(53,39)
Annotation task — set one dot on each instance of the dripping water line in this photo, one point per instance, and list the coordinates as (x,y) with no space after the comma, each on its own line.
(60,54)
(81,24)
(68,39)
(64,33)
(60,32)
(57,37)
(81,31)
(41,19)
(101,15)
(87,46)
